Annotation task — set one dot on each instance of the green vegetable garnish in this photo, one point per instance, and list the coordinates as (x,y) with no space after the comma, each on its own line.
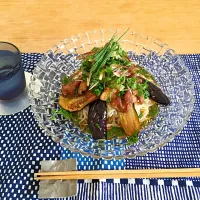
(53,118)
(115,131)
(153,111)
(107,55)
(66,114)
(133,138)
(122,93)
(95,49)
(146,94)
(140,115)
(140,87)
(85,67)
(104,63)
(98,89)
(64,80)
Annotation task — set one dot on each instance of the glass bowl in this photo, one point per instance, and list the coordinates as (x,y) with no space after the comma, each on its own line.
(169,70)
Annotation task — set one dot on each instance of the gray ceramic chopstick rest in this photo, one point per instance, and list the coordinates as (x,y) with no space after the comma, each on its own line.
(57,188)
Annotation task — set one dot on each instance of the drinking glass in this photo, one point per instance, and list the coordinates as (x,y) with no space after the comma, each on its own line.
(12,78)
(13,93)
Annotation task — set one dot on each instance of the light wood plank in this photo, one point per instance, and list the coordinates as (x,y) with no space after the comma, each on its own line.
(35,25)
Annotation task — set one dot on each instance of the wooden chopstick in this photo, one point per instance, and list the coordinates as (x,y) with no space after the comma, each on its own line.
(106,174)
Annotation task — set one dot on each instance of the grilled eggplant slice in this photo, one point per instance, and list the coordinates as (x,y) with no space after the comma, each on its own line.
(157,95)
(75,103)
(130,121)
(97,119)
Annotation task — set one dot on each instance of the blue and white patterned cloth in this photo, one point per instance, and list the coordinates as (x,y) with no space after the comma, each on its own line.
(23,145)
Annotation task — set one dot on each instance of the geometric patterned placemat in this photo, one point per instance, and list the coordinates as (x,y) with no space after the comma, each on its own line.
(23,145)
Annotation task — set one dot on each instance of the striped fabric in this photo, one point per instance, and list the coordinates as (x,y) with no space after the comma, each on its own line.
(23,145)
(117,191)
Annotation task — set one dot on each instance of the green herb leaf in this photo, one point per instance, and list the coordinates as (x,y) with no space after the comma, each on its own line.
(98,89)
(153,111)
(64,80)
(146,94)
(53,118)
(53,111)
(131,83)
(121,93)
(115,131)
(85,67)
(96,49)
(140,115)
(133,138)
(102,56)
(140,90)
(66,114)
(140,87)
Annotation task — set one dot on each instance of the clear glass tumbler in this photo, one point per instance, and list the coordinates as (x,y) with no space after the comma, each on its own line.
(12,78)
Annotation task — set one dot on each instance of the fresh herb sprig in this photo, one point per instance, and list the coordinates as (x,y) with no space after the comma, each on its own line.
(66,114)
(140,115)
(115,131)
(65,80)
(133,138)
(101,57)
(140,87)
(104,54)
(103,62)
(153,111)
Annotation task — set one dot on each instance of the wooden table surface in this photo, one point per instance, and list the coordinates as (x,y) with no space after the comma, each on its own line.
(36,25)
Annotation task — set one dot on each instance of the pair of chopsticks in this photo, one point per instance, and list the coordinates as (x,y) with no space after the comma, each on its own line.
(112,174)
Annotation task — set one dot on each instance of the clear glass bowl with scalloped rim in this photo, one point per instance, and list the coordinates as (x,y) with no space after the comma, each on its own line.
(168,69)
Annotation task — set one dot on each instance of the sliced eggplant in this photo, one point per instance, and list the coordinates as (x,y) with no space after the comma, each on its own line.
(157,95)
(97,119)
(130,121)
(75,103)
